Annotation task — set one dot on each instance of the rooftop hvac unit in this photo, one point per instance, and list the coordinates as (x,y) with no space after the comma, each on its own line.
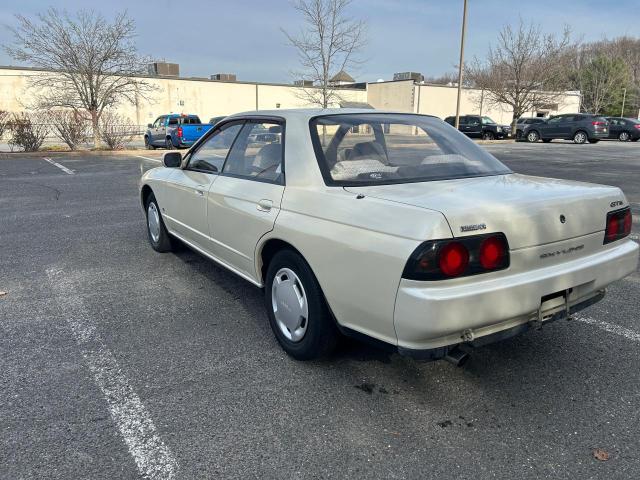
(415,76)
(224,77)
(303,83)
(164,69)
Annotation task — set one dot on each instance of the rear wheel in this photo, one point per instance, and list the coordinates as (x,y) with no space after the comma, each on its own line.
(580,137)
(624,136)
(298,313)
(533,136)
(488,136)
(169,144)
(157,232)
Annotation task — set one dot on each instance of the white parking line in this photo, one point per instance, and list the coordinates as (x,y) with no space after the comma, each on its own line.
(153,458)
(148,158)
(611,328)
(60,166)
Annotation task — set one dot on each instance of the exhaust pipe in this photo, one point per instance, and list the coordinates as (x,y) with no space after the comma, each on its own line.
(457,356)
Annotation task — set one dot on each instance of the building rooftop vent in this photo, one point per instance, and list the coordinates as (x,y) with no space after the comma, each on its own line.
(224,77)
(164,69)
(415,76)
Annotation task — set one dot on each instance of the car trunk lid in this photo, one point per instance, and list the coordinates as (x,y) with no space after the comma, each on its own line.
(530,211)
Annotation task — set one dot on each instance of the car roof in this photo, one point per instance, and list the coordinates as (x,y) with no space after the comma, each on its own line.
(305,114)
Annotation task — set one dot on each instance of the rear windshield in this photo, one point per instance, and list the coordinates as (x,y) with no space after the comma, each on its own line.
(378,149)
(190,120)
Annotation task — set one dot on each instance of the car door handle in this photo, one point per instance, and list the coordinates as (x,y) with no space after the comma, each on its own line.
(200,190)
(264,205)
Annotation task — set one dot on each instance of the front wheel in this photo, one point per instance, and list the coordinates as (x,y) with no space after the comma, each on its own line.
(580,137)
(488,136)
(147,144)
(157,232)
(298,313)
(533,136)
(624,136)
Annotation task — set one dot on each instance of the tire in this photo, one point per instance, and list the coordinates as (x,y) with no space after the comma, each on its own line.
(168,143)
(624,137)
(298,313)
(580,137)
(147,144)
(546,140)
(533,136)
(156,231)
(488,136)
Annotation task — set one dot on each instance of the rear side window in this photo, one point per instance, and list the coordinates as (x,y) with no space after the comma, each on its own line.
(379,149)
(257,153)
(173,121)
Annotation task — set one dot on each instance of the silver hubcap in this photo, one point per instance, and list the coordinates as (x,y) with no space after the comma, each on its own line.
(580,137)
(624,136)
(153,220)
(289,302)
(532,137)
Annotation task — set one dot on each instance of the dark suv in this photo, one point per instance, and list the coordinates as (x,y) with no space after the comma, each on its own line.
(480,127)
(522,121)
(579,127)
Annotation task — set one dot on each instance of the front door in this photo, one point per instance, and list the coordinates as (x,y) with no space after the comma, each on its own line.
(187,189)
(245,199)
(552,128)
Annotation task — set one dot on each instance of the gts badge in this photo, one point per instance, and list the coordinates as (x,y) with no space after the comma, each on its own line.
(564,251)
(473,228)
(617,203)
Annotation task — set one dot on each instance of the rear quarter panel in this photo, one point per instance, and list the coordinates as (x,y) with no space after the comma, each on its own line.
(357,249)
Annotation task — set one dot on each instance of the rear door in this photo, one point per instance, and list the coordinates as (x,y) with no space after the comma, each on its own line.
(474,126)
(553,127)
(186,208)
(245,200)
(615,127)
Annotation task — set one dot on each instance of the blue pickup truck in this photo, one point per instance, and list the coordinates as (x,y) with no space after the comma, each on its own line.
(174,130)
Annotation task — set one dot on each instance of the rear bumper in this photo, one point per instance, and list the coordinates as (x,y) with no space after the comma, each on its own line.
(429,316)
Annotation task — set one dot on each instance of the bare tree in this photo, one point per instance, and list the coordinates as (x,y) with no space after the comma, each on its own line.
(86,62)
(524,70)
(327,44)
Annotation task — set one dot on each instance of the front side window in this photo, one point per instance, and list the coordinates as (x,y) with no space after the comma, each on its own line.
(487,121)
(395,148)
(210,156)
(158,123)
(257,153)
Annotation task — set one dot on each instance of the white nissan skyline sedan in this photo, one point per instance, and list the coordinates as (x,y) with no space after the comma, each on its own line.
(386,226)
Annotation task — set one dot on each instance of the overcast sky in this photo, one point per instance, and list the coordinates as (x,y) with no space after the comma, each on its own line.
(243,36)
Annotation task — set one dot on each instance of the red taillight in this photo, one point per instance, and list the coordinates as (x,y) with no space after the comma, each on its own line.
(448,258)
(454,259)
(618,225)
(179,132)
(637,125)
(598,123)
(492,252)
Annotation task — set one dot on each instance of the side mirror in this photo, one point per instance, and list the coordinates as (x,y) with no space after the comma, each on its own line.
(149,125)
(172,159)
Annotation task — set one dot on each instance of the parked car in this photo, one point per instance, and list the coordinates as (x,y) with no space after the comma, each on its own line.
(624,129)
(174,131)
(476,126)
(579,127)
(402,231)
(522,121)
(214,120)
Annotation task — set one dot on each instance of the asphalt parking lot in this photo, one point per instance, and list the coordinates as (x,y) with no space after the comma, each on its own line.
(119,362)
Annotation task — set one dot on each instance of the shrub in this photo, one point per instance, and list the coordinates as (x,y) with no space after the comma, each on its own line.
(5,119)
(28,131)
(116,131)
(70,126)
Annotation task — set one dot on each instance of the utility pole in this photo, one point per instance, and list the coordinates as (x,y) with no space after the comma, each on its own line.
(624,97)
(460,66)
